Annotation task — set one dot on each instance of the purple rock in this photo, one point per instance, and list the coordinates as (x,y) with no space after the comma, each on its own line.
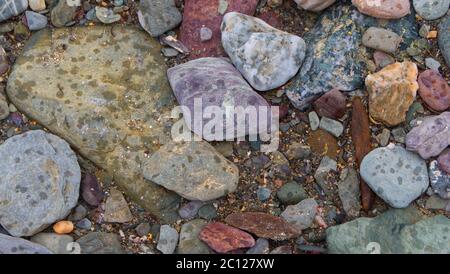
(440,180)
(91,190)
(431,136)
(444,161)
(215,83)
(190,209)
(16,119)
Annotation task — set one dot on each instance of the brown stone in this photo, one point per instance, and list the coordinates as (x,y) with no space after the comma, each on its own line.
(361,140)
(205,13)
(384,9)
(434,90)
(392,90)
(223,238)
(331,104)
(263,225)
(323,143)
(382,59)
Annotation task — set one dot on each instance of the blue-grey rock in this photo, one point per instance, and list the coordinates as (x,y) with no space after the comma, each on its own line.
(261,247)
(32,200)
(84,224)
(393,232)
(439,180)
(444,39)
(10,8)
(396,175)
(100,243)
(207,212)
(189,241)
(314,120)
(158,16)
(332,126)
(291,193)
(266,57)
(263,193)
(326,165)
(301,215)
(349,192)
(12,245)
(56,243)
(334,55)
(36,21)
(190,209)
(431,9)
(168,239)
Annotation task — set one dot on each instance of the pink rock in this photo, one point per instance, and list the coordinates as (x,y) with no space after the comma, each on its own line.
(382,59)
(331,104)
(384,9)
(314,5)
(272,18)
(431,136)
(444,160)
(204,13)
(224,238)
(434,90)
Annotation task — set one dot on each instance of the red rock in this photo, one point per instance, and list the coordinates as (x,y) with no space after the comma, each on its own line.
(223,238)
(382,59)
(384,9)
(361,140)
(263,225)
(331,104)
(204,13)
(434,90)
(444,160)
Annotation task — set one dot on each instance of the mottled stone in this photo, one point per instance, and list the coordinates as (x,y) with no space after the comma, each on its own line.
(158,16)
(301,215)
(349,192)
(100,243)
(431,9)
(431,136)
(383,137)
(397,231)
(116,208)
(190,209)
(298,151)
(334,56)
(217,85)
(189,238)
(168,239)
(382,59)
(323,143)
(314,5)
(56,243)
(10,8)
(205,13)
(331,104)
(434,90)
(12,245)
(106,16)
(381,39)
(384,9)
(194,170)
(108,97)
(396,175)
(263,225)
(63,13)
(439,180)
(444,160)
(255,49)
(31,201)
(291,193)
(223,238)
(392,91)
(325,167)
(444,39)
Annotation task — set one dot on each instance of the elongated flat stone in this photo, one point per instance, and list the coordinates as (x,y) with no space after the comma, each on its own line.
(104,91)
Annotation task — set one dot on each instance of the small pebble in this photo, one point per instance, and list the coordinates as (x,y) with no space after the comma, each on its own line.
(63,227)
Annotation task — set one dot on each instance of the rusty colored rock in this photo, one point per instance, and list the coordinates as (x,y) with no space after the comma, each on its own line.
(392,90)
(263,225)
(205,13)
(361,140)
(331,104)
(323,143)
(383,9)
(223,238)
(434,90)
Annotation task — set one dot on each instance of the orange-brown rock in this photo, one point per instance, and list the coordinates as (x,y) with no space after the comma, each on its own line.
(263,225)
(323,143)
(361,140)
(392,90)
(63,227)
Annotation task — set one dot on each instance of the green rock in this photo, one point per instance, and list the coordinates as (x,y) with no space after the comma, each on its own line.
(207,212)
(189,241)
(291,193)
(104,90)
(395,231)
